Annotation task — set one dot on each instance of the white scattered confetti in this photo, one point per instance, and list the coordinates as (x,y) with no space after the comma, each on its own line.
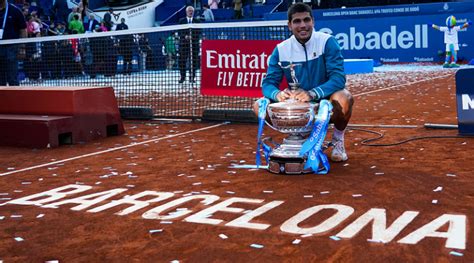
(256,246)
(373,167)
(434,201)
(306,235)
(166,222)
(324,192)
(296,241)
(335,238)
(267,191)
(307,196)
(225,181)
(2,217)
(455,253)
(198,183)
(16,216)
(19,239)
(375,240)
(379,173)
(346,164)
(356,195)
(222,236)
(25,182)
(155,231)
(230,192)
(10,168)
(438,189)
(451,175)
(40,216)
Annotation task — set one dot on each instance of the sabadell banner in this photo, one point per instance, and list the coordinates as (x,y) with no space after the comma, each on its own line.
(235,67)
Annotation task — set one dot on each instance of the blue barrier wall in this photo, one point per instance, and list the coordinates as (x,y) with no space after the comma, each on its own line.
(395,33)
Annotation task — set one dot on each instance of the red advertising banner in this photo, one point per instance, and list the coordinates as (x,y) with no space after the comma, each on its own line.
(235,67)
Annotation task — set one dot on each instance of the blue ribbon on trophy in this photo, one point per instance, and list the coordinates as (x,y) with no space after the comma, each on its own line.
(313,145)
(262,113)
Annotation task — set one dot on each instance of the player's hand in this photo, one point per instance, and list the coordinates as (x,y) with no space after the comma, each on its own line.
(283,95)
(301,95)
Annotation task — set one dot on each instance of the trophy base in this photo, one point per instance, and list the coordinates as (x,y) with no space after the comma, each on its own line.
(292,166)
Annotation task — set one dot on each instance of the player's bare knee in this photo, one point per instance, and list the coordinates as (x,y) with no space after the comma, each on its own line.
(342,102)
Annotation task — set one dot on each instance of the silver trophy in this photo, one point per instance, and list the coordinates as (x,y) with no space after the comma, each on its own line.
(295,119)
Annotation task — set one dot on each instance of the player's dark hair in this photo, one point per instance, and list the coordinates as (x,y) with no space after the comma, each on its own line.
(299,8)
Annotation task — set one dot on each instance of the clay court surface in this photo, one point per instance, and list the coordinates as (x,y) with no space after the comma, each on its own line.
(194,158)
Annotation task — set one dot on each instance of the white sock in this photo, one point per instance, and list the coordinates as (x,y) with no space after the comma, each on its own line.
(338,135)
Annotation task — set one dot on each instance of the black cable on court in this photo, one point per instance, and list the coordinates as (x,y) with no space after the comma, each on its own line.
(367,142)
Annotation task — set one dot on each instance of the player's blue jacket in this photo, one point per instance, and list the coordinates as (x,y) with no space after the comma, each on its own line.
(321,69)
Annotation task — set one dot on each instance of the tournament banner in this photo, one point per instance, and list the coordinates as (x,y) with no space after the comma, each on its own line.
(235,67)
(465,101)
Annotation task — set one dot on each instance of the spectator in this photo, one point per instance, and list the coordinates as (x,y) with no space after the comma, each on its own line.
(213,4)
(13,27)
(45,7)
(102,27)
(76,25)
(33,27)
(170,51)
(237,9)
(125,48)
(61,28)
(52,30)
(207,14)
(82,8)
(90,25)
(74,11)
(108,19)
(145,50)
(188,46)
(122,25)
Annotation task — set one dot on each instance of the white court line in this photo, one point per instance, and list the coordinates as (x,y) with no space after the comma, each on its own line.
(112,149)
(401,85)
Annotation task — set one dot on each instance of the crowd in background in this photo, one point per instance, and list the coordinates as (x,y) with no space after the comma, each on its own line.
(53,17)
(77,56)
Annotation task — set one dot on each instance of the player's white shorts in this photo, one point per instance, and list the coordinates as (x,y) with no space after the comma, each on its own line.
(456,47)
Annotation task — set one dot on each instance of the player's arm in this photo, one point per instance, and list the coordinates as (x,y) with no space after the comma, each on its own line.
(334,70)
(272,80)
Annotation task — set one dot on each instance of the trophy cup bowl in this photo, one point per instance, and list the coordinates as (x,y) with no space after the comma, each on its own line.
(296,119)
(292,117)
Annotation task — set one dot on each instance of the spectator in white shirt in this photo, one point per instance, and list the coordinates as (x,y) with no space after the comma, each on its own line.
(207,14)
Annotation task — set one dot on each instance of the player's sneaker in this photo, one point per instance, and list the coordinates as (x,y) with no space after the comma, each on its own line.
(446,65)
(338,153)
(454,65)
